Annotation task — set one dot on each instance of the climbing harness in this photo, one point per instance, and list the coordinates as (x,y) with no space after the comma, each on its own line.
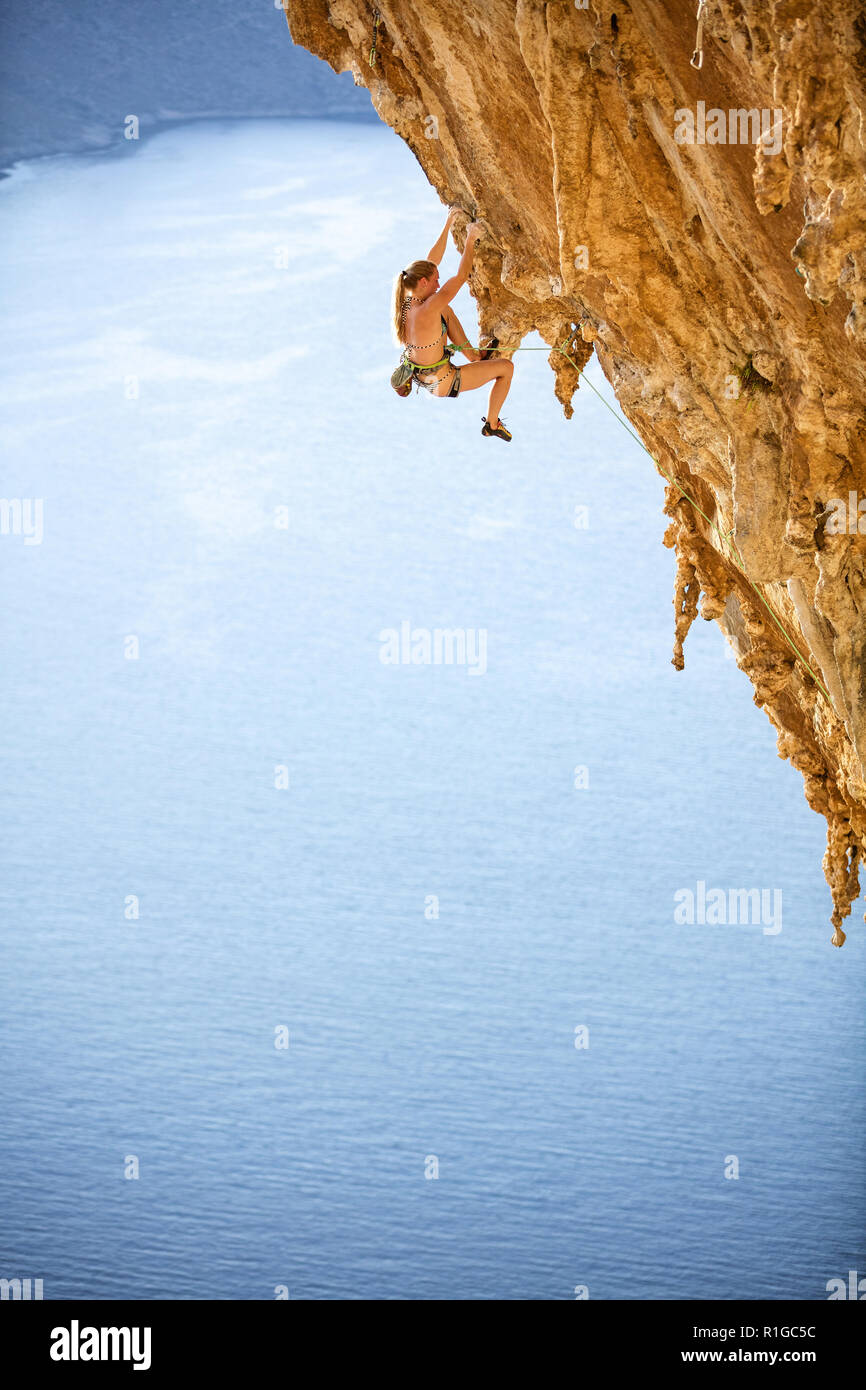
(376,22)
(735,556)
(408,371)
(697,58)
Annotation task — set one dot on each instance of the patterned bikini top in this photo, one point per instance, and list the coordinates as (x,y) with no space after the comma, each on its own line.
(421,347)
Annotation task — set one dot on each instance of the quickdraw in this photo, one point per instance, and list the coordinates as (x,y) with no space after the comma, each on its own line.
(697,58)
(376,22)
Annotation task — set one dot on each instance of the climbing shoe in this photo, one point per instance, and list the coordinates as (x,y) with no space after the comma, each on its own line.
(485,353)
(501,432)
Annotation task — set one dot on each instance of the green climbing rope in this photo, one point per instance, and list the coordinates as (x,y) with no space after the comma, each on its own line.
(735,555)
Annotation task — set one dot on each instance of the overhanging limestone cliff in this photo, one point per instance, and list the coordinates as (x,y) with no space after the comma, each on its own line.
(703,228)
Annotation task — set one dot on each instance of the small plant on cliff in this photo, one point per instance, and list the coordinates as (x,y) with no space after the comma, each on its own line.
(751,381)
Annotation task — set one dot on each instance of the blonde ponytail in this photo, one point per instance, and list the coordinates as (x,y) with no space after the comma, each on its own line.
(405,282)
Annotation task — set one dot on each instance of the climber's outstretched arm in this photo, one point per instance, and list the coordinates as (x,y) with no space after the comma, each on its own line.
(438,250)
(446,292)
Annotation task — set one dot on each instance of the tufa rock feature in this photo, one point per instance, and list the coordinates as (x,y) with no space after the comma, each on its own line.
(703,229)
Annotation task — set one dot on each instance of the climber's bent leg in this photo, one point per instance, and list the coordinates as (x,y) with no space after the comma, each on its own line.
(498,370)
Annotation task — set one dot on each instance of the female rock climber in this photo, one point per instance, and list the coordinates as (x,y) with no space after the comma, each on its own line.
(423,321)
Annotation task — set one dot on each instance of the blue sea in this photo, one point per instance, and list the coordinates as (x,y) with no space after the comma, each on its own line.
(334,978)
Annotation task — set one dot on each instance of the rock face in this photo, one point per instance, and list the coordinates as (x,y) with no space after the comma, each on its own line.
(703,229)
